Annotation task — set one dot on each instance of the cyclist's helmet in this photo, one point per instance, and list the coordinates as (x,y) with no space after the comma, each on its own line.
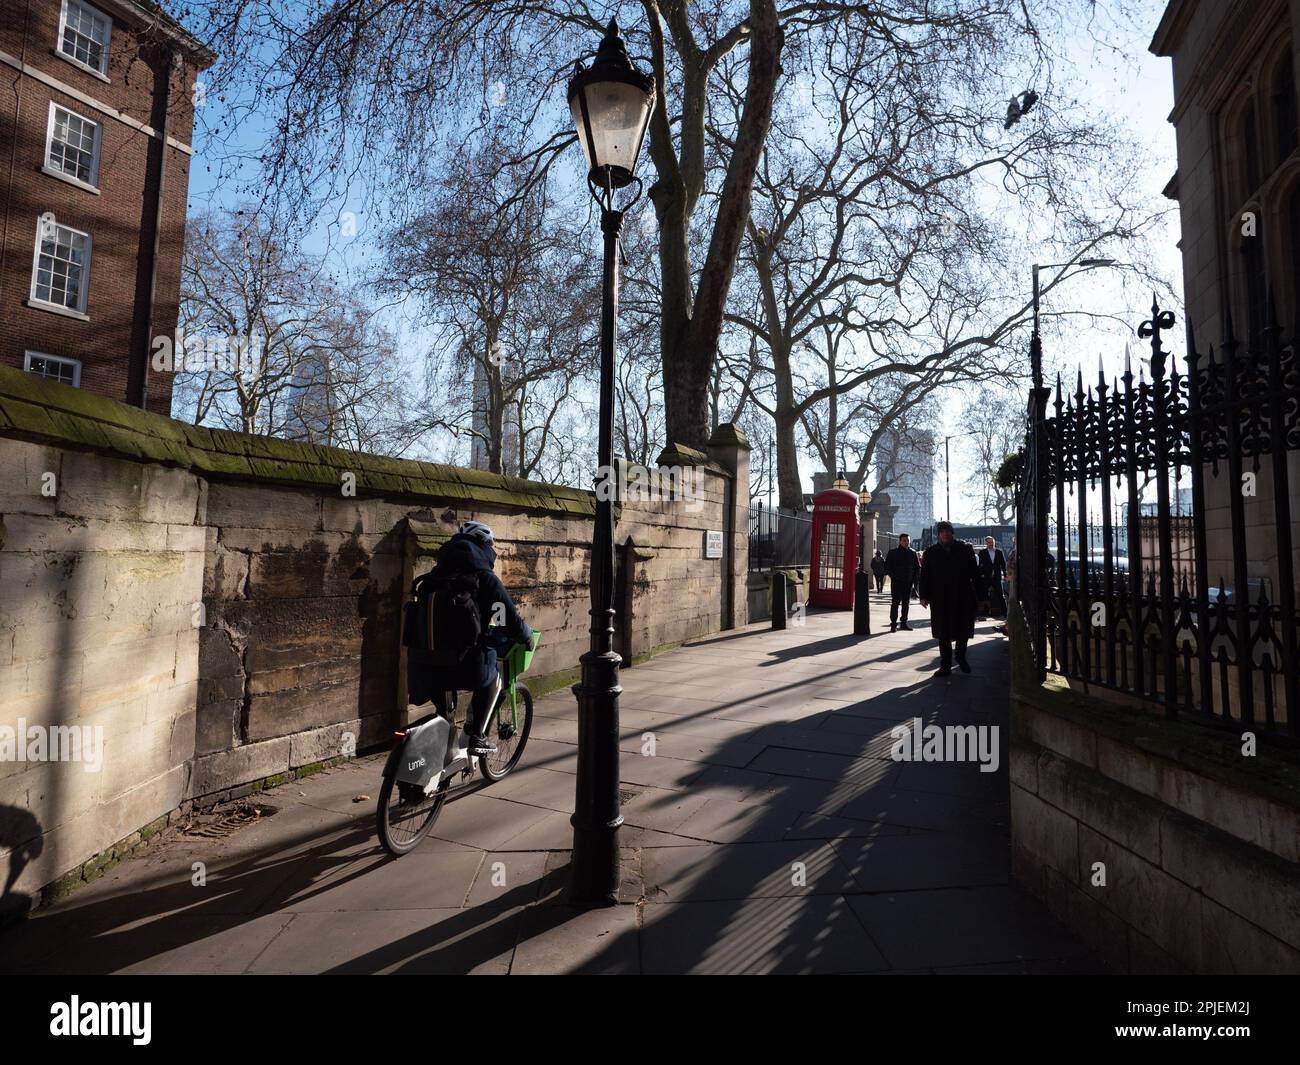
(478,532)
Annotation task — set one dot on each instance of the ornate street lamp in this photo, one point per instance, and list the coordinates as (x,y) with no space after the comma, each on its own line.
(611,103)
(862,581)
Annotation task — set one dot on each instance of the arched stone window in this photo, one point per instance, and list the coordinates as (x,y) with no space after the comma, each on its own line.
(1282,93)
(1250,148)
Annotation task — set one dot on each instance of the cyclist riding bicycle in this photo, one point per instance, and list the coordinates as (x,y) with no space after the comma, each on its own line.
(465,562)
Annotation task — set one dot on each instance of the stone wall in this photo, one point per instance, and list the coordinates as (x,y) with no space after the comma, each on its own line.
(225,608)
(1199,846)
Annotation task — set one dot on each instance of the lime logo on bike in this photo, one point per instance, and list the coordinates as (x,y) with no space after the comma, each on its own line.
(416,764)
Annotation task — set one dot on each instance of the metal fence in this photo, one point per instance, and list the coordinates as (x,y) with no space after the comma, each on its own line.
(778,539)
(1195,612)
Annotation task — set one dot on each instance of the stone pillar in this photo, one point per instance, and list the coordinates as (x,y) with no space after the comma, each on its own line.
(729,448)
(870,523)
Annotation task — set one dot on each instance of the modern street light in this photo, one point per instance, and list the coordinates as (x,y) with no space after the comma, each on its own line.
(1035,343)
(1039,398)
(611,103)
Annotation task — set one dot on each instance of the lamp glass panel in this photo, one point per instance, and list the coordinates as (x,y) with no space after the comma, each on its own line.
(618,113)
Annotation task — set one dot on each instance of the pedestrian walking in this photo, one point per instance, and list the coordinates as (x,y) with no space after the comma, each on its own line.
(878,570)
(993,570)
(901,564)
(951,586)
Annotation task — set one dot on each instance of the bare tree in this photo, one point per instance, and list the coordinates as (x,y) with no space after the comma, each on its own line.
(499,281)
(350,86)
(993,421)
(268,343)
(876,255)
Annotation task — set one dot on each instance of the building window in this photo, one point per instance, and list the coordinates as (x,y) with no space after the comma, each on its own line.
(84,34)
(1284,109)
(65,371)
(62,266)
(1250,148)
(72,147)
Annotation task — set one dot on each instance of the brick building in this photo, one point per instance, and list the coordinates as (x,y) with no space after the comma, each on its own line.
(96,113)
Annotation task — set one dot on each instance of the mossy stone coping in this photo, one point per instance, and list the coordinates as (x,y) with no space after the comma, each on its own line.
(34,408)
(729,434)
(679,455)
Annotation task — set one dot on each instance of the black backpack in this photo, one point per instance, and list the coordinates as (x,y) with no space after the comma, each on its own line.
(443,618)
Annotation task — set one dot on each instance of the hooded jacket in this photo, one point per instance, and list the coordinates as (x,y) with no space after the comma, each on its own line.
(463,554)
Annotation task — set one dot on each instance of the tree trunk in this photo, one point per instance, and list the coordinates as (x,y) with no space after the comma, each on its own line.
(687,374)
(789,484)
(691,328)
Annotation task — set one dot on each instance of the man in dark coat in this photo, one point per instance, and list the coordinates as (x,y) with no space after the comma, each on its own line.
(471,550)
(952,588)
(901,564)
(993,571)
(878,570)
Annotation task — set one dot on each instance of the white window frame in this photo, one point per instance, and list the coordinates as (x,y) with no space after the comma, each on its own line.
(101,73)
(58,308)
(74,363)
(47,167)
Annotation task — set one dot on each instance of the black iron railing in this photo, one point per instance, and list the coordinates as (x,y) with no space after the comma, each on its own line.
(778,539)
(1154,531)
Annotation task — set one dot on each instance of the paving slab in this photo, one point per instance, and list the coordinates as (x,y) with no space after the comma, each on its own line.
(791,935)
(963,926)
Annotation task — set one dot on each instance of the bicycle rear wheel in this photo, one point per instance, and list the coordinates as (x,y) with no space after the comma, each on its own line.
(405,814)
(510,740)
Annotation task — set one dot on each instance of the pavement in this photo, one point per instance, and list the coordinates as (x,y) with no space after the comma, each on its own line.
(767,829)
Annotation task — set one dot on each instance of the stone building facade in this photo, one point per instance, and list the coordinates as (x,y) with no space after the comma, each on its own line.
(1238,178)
(1238,190)
(95,127)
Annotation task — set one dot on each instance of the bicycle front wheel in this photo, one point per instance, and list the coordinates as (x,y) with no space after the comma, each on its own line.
(510,737)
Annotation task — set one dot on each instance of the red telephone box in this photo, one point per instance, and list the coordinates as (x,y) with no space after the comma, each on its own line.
(834,548)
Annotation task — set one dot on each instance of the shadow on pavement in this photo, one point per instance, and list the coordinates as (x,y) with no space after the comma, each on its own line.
(780,837)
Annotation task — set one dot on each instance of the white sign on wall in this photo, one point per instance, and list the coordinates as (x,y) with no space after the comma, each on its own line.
(713,543)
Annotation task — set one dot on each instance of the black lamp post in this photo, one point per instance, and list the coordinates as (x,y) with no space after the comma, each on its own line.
(862,579)
(611,103)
